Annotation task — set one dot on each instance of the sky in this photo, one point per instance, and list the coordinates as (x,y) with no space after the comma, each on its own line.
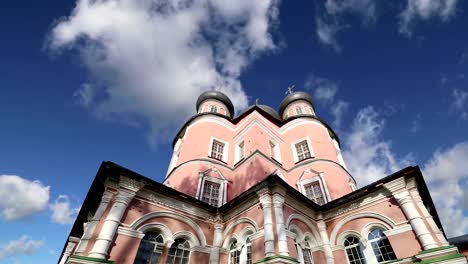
(83,81)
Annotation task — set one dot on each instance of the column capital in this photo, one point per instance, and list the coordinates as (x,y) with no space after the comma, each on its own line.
(131,184)
(403,197)
(219,227)
(395,185)
(278,200)
(321,225)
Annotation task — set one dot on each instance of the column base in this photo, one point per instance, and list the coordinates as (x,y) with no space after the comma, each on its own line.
(440,255)
(75,259)
(277,259)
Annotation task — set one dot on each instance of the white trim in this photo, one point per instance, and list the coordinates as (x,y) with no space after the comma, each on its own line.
(179,217)
(276,154)
(294,150)
(130,232)
(225,148)
(189,236)
(238,154)
(302,182)
(398,230)
(345,220)
(308,223)
(240,221)
(221,193)
(165,232)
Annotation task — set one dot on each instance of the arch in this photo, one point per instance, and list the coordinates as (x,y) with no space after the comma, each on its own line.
(368,227)
(345,234)
(240,221)
(349,218)
(163,230)
(189,236)
(245,233)
(179,217)
(309,224)
(228,240)
(312,242)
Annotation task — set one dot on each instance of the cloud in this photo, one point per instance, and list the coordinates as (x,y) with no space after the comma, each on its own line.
(149,60)
(460,103)
(330,20)
(446,174)
(425,10)
(21,198)
(22,246)
(416,124)
(325,91)
(368,156)
(62,211)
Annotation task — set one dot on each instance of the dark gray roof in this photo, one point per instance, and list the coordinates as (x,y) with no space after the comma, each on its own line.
(270,111)
(217,95)
(294,97)
(459,240)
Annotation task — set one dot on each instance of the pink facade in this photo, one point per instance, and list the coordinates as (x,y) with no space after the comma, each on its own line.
(264,187)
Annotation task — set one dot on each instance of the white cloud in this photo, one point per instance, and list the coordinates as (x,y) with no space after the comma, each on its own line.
(446,174)
(22,246)
(21,198)
(425,10)
(416,124)
(150,59)
(460,102)
(326,33)
(368,156)
(62,211)
(325,91)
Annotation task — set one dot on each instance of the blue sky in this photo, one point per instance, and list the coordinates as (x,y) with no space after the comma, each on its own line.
(86,81)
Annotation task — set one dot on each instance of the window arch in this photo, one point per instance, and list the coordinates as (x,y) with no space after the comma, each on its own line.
(381,247)
(354,251)
(234,253)
(150,249)
(179,252)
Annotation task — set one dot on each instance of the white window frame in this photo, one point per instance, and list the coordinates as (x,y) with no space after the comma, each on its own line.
(222,188)
(294,150)
(298,107)
(225,148)
(303,183)
(276,155)
(364,255)
(239,152)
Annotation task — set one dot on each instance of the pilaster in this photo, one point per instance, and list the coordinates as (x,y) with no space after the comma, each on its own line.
(278,202)
(265,201)
(322,227)
(217,243)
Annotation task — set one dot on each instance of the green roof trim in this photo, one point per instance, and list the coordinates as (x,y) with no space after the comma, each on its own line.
(263,260)
(97,260)
(434,249)
(443,258)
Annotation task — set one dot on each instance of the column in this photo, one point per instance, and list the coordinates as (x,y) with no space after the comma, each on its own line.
(322,227)
(429,217)
(68,250)
(217,243)
(165,254)
(269,238)
(415,219)
(278,202)
(91,225)
(111,224)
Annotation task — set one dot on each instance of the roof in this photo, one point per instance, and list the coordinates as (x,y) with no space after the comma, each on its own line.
(459,240)
(111,170)
(216,95)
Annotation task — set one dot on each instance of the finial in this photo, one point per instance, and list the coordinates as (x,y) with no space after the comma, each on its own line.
(256,101)
(290,89)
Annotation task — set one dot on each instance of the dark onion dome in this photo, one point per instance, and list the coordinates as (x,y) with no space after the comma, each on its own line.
(216,95)
(295,96)
(270,111)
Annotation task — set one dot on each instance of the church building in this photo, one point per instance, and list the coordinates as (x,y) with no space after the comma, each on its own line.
(264,186)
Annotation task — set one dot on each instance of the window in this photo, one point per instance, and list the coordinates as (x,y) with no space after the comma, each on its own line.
(179,252)
(298,110)
(314,192)
(234,253)
(353,250)
(248,244)
(241,150)
(383,251)
(217,150)
(213,109)
(307,256)
(211,193)
(302,150)
(150,250)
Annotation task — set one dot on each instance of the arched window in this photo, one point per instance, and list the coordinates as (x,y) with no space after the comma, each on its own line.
(306,253)
(248,244)
(234,253)
(179,252)
(383,251)
(150,249)
(353,250)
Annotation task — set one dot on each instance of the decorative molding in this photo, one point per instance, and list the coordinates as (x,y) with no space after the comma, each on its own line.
(368,200)
(240,221)
(398,230)
(395,185)
(130,232)
(161,228)
(131,184)
(308,223)
(189,236)
(201,249)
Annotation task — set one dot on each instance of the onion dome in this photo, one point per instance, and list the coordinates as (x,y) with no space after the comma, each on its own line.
(216,95)
(292,97)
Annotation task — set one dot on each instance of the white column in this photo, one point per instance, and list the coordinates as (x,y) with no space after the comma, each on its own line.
(429,217)
(217,243)
(423,234)
(269,238)
(111,224)
(91,225)
(300,254)
(68,250)
(243,255)
(278,202)
(326,241)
